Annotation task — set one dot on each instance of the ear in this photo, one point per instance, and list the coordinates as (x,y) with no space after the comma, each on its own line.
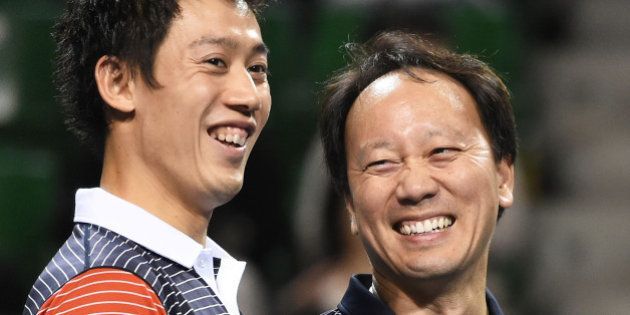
(114,80)
(506,183)
(353,220)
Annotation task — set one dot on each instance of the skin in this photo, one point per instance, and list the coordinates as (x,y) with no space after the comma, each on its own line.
(418,150)
(161,152)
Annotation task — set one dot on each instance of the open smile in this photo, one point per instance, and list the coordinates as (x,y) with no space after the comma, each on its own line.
(231,136)
(431,225)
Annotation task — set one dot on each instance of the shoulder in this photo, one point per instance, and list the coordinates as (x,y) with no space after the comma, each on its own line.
(104,290)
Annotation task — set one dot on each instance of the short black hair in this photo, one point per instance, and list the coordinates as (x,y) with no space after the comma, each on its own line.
(131,30)
(398,50)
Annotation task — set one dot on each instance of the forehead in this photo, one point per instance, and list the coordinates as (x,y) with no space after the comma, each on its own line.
(214,18)
(433,92)
(402,100)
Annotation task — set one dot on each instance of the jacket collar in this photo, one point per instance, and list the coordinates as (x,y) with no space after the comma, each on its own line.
(359,300)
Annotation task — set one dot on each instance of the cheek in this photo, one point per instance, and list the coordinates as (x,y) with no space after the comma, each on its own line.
(470,181)
(370,204)
(265,100)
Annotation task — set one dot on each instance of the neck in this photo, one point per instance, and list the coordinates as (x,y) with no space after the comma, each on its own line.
(131,181)
(463,294)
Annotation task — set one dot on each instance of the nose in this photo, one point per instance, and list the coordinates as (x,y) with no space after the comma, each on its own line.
(241,92)
(416,185)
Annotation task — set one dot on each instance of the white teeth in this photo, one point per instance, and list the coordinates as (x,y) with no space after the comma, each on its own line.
(235,136)
(406,229)
(419,227)
(427,226)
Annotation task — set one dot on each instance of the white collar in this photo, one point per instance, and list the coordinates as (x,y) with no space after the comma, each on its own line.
(99,207)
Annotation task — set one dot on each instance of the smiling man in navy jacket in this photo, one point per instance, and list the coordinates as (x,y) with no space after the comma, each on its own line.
(421,143)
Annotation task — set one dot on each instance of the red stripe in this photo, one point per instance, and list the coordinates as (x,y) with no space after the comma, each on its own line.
(104,290)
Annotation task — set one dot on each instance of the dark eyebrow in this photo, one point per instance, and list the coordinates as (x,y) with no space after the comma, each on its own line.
(260,48)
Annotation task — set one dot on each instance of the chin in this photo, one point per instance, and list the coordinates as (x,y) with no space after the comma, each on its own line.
(435,269)
(226,190)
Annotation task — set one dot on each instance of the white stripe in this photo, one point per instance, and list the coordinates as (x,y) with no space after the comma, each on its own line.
(108,302)
(126,250)
(40,294)
(83,276)
(156,279)
(32,299)
(96,243)
(64,273)
(34,303)
(140,264)
(151,268)
(146,274)
(72,251)
(46,269)
(201,298)
(130,259)
(197,288)
(170,308)
(102,248)
(177,273)
(67,261)
(98,231)
(46,284)
(169,295)
(162,288)
(187,280)
(209,306)
(99,282)
(113,249)
(99,292)
(167,266)
(76,240)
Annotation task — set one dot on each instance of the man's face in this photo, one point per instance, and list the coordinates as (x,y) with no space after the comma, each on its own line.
(424,187)
(194,133)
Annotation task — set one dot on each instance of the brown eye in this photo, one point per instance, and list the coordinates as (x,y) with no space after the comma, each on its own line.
(216,62)
(258,69)
(442,150)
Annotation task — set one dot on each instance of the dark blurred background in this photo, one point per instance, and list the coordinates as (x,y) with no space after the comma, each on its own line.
(563,249)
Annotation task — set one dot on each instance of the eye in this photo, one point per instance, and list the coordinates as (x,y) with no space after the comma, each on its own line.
(377,163)
(216,62)
(259,72)
(381,167)
(258,69)
(443,155)
(444,150)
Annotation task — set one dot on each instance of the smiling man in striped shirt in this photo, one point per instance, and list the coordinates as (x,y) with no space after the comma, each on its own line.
(172,95)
